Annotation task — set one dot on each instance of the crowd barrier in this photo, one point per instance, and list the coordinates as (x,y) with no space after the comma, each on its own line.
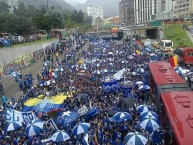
(20,63)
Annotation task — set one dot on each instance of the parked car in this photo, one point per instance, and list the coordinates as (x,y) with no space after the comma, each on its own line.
(20,39)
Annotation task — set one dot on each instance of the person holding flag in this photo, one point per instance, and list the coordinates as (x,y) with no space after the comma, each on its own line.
(50,73)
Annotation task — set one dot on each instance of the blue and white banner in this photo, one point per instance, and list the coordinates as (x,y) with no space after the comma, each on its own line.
(52,124)
(19,117)
(112,86)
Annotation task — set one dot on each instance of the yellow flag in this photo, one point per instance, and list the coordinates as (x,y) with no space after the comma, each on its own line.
(175,60)
(138,52)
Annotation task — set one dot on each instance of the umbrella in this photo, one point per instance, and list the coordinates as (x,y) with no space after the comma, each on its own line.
(152,54)
(97,72)
(135,138)
(120,116)
(143,108)
(92,112)
(130,57)
(12,126)
(46,63)
(149,123)
(144,87)
(110,53)
(140,70)
(68,117)
(15,74)
(60,136)
(148,113)
(190,73)
(139,83)
(104,71)
(133,73)
(124,61)
(80,128)
(34,128)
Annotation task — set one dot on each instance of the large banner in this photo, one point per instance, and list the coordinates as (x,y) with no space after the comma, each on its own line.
(19,117)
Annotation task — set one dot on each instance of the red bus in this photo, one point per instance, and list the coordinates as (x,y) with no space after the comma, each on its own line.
(177,114)
(172,97)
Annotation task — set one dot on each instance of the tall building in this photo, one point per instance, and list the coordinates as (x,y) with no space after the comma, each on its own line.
(12,4)
(95,11)
(145,10)
(165,9)
(183,8)
(126,12)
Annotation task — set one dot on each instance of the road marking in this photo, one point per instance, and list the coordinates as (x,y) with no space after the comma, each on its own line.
(18,93)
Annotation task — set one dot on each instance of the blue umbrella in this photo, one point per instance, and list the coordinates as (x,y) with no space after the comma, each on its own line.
(12,126)
(149,123)
(143,108)
(34,128)
(80,128)
(135,138)
(120,116)
(68,117)
(148,113)
(60,136)
(92,112)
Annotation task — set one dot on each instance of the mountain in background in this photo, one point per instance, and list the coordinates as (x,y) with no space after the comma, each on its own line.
(110,7)
(59,5)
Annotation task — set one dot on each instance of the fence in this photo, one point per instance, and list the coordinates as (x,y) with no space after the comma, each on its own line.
(20,63)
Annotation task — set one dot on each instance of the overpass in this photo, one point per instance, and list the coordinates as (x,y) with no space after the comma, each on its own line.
(152,32)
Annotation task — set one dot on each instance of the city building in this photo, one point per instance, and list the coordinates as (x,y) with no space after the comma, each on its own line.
(191,10)
(126,12)
(13,4)
(165,9)
(95,11)
(183,8)
(145,10)
(112,21)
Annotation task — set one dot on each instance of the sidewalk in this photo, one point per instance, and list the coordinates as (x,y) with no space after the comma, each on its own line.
(190,36)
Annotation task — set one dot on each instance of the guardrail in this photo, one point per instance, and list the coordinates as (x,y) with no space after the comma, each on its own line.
(20,63)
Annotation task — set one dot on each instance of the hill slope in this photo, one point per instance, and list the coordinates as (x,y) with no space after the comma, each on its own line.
(57,4)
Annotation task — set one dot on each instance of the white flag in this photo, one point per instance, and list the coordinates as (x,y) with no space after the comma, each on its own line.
(119,74)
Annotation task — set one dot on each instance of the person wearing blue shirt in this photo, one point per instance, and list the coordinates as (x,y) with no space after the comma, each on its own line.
(117,142)
(4,100)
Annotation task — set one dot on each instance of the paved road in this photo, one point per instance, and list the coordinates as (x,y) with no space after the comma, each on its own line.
(8,55)
(11,88)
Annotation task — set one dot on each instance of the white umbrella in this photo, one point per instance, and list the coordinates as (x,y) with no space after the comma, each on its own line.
(34,128)
(80,128)
(110,53)
(60,136)
(135,138)
(139,83)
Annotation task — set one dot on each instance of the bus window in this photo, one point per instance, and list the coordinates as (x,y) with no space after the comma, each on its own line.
(168,44)
(189,54)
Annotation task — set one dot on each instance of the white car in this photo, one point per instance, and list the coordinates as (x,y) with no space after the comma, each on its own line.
(20,39)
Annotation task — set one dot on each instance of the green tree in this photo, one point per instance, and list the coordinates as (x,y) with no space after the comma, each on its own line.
(4,7)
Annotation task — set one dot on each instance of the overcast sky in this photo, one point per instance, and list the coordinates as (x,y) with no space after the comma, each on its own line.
(77,1)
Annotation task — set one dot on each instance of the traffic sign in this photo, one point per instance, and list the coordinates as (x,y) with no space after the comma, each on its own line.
(156,23)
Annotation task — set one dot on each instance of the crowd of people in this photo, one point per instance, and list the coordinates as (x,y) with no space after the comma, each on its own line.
(81,77)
